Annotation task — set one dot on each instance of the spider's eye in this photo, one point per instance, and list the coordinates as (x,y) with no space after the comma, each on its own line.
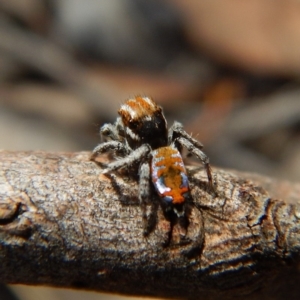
(133,124)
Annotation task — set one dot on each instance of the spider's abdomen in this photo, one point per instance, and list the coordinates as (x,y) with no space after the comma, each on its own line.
(169,175)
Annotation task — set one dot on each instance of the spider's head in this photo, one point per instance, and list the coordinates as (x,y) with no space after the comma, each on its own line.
(144,123)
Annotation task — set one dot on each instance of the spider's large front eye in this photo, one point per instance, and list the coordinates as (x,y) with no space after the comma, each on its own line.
(133,124)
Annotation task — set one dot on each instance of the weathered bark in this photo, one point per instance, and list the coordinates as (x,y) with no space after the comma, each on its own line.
(64,224)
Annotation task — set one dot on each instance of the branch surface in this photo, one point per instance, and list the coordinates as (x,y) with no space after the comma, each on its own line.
(63,223)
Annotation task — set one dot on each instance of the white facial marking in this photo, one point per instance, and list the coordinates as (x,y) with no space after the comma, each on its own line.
(132,134)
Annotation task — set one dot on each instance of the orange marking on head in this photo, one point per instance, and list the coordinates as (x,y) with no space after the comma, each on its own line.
(147,106)
(139,108)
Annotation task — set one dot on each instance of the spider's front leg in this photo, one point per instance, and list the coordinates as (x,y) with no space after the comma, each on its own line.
(191,147)
(177,131)
(139,155)
(115,146)
(133,158)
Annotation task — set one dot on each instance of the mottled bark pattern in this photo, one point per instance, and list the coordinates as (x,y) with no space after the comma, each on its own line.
(62,223)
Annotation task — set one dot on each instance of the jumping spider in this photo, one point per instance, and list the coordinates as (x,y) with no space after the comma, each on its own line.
(140,137)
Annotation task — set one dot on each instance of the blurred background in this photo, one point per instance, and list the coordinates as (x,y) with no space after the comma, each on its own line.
(229,71)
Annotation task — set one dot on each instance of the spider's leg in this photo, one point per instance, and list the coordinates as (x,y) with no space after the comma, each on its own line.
(177,131)
(118,147)
(137,155)
(199,154)
(144,192)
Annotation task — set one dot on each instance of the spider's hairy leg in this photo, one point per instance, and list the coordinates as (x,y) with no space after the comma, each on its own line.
(183,142)
(144,192)
(136,156)
(177,131)
(118,147)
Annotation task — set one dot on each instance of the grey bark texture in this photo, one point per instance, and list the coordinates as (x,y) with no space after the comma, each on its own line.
(63,223)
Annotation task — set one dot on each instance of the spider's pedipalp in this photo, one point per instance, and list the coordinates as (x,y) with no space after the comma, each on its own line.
(113,132)
(199,154)
(128,161)
(109,132)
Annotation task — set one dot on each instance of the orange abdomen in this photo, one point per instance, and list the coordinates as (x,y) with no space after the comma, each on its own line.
(169,175)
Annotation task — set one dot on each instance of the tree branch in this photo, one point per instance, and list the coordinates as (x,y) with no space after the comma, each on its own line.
(64,224)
